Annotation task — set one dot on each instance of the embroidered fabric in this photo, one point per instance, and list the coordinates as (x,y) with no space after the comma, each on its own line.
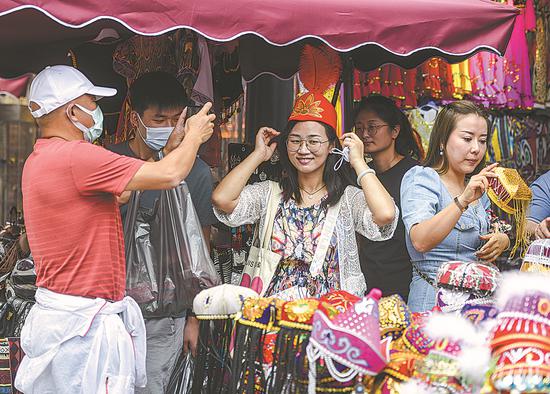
(355,216)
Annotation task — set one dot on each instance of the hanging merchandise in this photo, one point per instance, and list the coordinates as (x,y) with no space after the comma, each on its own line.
(540,69)
(422,121)
(461,80)
(167,260)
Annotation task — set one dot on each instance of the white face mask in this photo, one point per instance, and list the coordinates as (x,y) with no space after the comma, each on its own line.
(157,137)
(93,133)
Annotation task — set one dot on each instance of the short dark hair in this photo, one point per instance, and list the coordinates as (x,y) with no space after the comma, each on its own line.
(389,112)
(159,90)
(336,181)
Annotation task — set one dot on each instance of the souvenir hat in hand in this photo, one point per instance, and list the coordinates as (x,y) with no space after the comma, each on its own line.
(511,194)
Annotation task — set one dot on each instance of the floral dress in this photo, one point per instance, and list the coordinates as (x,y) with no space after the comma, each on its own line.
(296,232)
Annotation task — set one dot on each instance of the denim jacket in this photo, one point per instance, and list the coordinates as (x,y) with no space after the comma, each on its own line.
(423,195)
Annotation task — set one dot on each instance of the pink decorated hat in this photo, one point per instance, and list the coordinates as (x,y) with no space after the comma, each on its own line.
(350,343)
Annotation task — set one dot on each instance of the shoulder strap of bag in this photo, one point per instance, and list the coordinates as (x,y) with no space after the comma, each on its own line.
(272,205)
(324,240)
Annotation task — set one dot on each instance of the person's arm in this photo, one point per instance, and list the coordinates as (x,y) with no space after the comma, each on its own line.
(226,196)
(538,219)
(168,172)
(377,197)
(429,233)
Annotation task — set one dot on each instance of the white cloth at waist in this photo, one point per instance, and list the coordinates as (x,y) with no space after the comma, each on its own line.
(113,350)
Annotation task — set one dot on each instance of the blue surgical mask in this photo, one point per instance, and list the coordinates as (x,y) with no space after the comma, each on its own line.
(157,137)
(93,133)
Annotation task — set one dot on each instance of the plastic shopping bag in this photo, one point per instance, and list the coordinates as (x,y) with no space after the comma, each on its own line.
(167,260)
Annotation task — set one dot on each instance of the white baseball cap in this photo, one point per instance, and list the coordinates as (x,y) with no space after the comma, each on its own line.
(57,85)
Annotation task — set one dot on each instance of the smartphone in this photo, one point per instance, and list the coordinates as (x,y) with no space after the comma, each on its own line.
(194,109)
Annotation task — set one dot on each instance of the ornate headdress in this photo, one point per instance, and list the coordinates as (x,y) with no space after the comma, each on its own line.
(511,194)
(394,316)
(215,309)
(537,258)
(460,282)
(520,342)
(320,68)
(349,344)
(290,361)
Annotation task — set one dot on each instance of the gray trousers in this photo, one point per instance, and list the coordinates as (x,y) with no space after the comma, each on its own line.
(164,344)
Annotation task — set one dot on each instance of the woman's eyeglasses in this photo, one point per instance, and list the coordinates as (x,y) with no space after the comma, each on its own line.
(371,129)
(312,144)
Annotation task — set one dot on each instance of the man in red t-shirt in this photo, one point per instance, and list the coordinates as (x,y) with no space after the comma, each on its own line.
(74,337)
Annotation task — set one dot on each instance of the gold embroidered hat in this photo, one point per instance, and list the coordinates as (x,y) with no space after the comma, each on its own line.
(511,194)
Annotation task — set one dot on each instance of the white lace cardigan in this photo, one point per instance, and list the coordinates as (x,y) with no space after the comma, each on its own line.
(354,215)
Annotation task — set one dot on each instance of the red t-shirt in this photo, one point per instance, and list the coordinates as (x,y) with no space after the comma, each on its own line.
(72,217)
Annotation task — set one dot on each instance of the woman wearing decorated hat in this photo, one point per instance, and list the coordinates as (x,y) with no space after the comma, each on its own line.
(305,244)
(444,202)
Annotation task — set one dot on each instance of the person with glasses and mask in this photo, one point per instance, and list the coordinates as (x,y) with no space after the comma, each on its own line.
(388,139)
(83,334)
(316,205)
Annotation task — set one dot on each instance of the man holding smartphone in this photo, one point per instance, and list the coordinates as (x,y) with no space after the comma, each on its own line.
(157,100)
(83,334)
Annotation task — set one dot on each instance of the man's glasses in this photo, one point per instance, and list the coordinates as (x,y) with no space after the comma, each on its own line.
(293,144)
(371,130)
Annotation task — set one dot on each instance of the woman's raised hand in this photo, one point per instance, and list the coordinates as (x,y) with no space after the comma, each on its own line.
(356,149)
(263,149)
(477,185)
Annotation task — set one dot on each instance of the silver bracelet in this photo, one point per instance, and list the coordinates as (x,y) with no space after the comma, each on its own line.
(363,173)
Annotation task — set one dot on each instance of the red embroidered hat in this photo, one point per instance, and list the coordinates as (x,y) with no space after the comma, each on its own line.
(319,69)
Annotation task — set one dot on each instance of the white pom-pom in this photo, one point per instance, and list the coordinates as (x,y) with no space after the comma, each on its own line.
(450,326)
(517,284)
(414,387)
(474,363)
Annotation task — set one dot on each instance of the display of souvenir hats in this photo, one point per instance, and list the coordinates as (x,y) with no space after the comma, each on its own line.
(415,337)
(290,357)
(394,315)
(298,313)
(537,258)
(520,341)
(221,301)
(215,309)
(479,310)
(460,282)
(477,278)
(399,369)
(349,345)
(511,194)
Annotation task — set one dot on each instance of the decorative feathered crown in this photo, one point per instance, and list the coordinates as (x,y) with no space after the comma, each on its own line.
(320,68)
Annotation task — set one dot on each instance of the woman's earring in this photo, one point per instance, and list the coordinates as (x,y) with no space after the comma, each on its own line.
(440,151)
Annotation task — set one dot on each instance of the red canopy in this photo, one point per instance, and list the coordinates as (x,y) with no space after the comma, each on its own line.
(405,32)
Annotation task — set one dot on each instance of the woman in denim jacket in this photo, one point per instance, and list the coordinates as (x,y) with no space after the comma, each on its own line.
(444,203)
